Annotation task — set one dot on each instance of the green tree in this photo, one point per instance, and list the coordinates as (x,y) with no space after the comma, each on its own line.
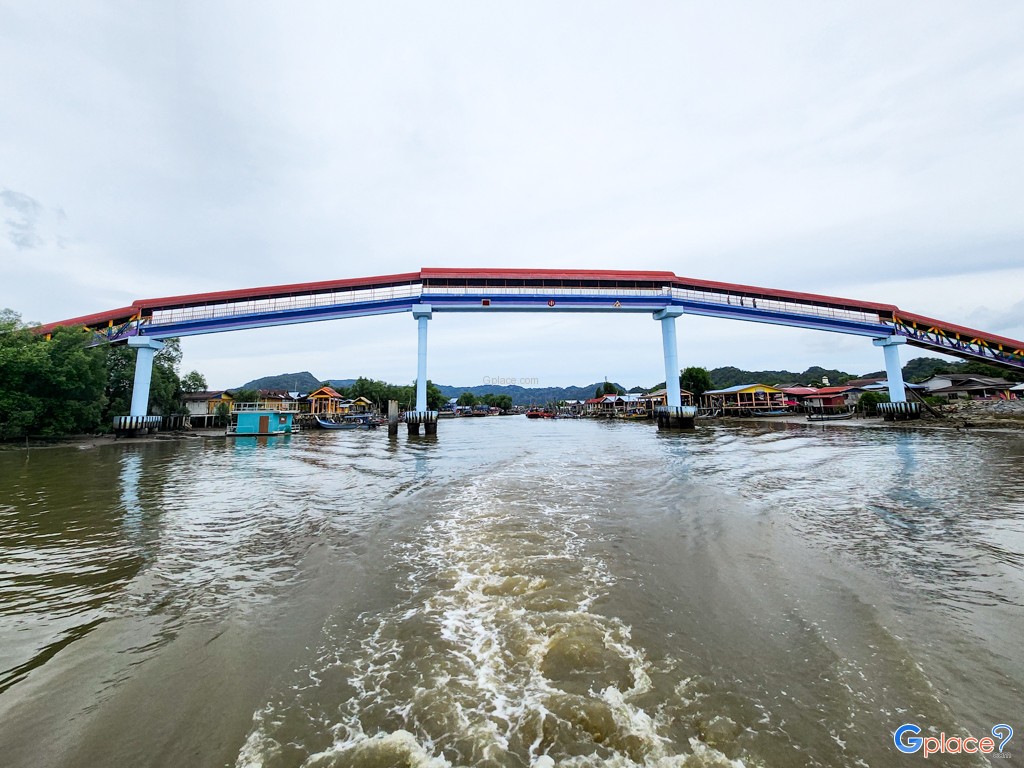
(119,362)
(245,395)
(165,388)
(467,398)
(868,402)
(21,358)
(223,413)
(503,402)
(193,381)
(435,397)
(50,387)
(610,389)
(696,380)
(72,383)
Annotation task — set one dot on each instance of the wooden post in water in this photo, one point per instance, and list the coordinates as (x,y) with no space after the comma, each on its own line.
(392,418)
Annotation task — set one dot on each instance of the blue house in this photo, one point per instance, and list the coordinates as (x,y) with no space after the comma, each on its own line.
(261,423)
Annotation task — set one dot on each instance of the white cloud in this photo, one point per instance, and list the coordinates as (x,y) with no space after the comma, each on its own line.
(867,150)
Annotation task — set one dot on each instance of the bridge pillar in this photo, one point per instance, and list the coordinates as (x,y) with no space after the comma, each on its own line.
(893,370)
(897,409)
(674,415)
(145,349)
(428,419)
(668,317)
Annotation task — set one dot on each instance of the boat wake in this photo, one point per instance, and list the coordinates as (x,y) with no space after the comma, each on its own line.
(497,656)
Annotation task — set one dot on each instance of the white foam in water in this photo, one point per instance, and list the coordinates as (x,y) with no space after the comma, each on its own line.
(463,669)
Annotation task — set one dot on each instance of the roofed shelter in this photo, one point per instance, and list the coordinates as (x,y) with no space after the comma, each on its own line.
(326,401)
(745,399)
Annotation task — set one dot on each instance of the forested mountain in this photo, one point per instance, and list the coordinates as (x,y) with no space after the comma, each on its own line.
(915,370)
(289,382)
(730,377)
(307,382)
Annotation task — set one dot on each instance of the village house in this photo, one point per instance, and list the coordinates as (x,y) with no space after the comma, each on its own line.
(968,386)
(832,399)
(745,400)
(796,395)
(659,397)
(202,406)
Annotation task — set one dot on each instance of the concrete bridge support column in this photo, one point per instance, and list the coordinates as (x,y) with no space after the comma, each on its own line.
(428,419)
(674,415)
(145,349)
(893,370)
(897,409)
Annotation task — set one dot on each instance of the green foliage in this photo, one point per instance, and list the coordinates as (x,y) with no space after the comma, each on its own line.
(610,389)
(223,413)
(921,368)
(504,402)
(289,382)
(696,380)
(467,398)
(193,381)
(379,392)
(165,389)
(868,402)
(120,367)
(435,397)
(982,369)
(245,395)
(730,376)
(50,388)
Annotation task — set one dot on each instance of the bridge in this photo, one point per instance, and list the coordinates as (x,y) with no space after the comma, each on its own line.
(665,295)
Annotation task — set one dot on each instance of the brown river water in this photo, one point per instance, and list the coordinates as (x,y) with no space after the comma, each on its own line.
(514,593)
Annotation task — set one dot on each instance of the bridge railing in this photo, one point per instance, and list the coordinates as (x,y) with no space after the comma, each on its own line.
(512,290)
(775,305)
(214,311)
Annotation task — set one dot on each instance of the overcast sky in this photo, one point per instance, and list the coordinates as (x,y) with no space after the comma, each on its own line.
(868,150)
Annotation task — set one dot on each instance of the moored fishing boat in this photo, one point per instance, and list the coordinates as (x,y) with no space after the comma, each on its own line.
(838,416)
(354,421)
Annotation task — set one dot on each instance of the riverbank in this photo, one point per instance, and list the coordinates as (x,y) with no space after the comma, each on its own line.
(973,415)
(998,415)
(96,441)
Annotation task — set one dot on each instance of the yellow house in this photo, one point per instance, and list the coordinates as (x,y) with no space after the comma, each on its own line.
(745,400)
(326,401)
(360,405)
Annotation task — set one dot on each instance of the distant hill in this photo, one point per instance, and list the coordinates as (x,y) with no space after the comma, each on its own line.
(915,370)
(290,382)
(528,395)
(730,377)
(307,382)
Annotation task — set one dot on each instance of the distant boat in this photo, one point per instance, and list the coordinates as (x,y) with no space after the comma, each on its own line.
(363,421)
(842,415)
(535,414)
